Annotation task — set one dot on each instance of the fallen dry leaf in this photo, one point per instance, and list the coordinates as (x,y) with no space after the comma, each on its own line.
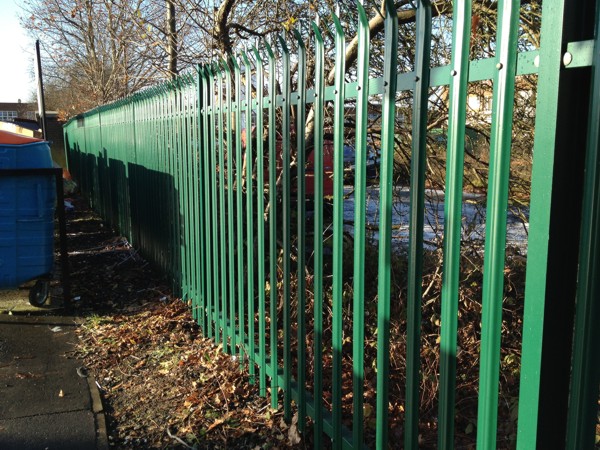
(293,435)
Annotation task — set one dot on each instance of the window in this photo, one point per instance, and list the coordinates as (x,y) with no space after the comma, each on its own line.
(7,115)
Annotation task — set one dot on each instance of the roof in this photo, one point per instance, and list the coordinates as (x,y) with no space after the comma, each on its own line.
(6,137)
(8,106)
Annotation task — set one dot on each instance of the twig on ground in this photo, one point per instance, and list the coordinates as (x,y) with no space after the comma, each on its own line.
(178,439)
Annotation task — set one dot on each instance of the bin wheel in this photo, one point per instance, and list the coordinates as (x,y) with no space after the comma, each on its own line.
(39,293)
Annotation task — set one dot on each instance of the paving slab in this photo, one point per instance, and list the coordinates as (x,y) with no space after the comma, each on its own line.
(45,401)
(61,431)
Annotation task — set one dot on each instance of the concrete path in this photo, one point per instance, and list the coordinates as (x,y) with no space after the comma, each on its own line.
(45,401)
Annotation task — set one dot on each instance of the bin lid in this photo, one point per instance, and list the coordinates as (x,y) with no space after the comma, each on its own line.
(6,137)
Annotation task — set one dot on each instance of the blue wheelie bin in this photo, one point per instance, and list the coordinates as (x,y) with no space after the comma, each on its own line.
(27,205)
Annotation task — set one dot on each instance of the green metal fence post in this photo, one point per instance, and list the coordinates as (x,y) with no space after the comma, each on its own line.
(318,236)
(183,144)
(178,194)
(230,207)
(273,255)
(222,217)
(495,243)
(453,214)
(239,206)
(260,212)
(286,219)
(131,158)
(166,157)
(205,235)
(194,201)
(249,216)
(388,116)
(301,211)
(217,285)
(175,191)
(198,199)
(415,252)
(185,195)
(358,304)
(338,230)
(181,187)
(153,161)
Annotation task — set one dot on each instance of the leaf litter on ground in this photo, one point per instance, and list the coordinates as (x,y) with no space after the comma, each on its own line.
(162,383)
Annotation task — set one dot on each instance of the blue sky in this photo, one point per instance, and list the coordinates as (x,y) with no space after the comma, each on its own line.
(16,54)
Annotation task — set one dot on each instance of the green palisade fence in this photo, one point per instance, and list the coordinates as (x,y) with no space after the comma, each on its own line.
(215,179)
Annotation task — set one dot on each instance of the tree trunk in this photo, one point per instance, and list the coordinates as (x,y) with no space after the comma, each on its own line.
(171,39)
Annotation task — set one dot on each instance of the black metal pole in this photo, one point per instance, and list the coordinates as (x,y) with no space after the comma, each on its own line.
(40,89)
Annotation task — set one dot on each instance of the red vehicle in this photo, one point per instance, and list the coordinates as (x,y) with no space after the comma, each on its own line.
(327,171)
(310,171)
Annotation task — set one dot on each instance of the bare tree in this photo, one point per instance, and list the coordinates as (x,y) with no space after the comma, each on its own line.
(89,47)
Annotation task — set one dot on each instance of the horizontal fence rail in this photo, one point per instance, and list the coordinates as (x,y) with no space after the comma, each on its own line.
(233,180)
